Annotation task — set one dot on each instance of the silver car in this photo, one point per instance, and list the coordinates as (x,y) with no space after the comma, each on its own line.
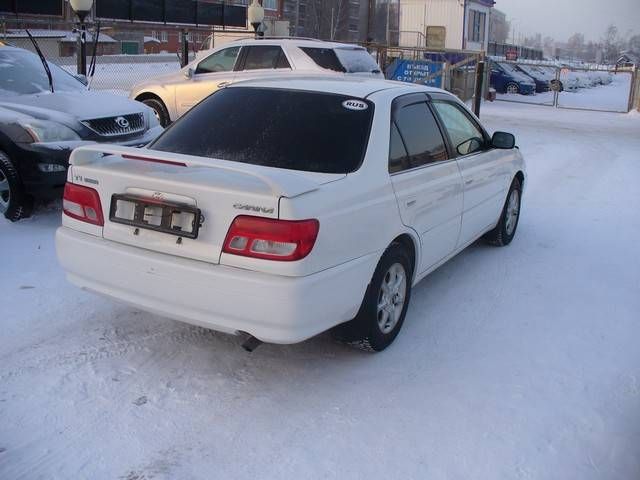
(172,95)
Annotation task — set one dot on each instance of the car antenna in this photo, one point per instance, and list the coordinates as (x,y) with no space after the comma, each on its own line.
(42,59)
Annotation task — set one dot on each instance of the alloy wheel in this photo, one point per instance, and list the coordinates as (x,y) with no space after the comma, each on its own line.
(513,210)
(391,297)
(5,192)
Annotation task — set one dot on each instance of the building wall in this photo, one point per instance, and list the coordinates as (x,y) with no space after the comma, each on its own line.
(498,26)
(483,7)
(417,15)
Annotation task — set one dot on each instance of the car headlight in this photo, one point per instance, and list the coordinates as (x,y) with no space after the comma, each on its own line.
(46,131)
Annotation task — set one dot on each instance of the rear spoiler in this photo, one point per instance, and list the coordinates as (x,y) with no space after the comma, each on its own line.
(281,182)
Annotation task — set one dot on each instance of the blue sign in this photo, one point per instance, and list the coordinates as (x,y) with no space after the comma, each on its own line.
(416,71)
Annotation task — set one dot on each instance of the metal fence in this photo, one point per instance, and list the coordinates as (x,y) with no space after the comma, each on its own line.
(597,88)
(120,64)
(124,55)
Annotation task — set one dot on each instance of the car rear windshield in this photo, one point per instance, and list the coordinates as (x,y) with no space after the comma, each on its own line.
(296,130)
(344,59)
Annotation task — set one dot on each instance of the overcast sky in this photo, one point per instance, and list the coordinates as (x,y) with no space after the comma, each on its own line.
(561,18)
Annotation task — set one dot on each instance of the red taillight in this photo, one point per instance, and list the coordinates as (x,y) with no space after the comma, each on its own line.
(271,239)
(82,203)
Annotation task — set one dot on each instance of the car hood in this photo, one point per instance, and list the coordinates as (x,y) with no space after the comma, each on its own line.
(69,106)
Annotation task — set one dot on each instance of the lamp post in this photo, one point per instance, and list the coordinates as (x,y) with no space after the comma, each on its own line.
(255,15)
(82,8)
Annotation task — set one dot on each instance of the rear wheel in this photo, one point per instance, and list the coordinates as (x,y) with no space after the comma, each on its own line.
(14,201)
(513,88)
(159,110)
(506,228)
(385,303)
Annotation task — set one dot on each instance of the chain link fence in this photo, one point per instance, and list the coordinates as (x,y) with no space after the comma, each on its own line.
(124,55)
(598,88)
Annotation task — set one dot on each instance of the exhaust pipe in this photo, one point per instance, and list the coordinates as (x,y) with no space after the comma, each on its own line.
(251,343)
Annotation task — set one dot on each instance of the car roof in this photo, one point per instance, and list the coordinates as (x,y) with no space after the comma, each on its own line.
(354,86)
(295,41)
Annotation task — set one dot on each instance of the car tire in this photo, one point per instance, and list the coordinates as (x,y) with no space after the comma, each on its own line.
(512,87)
(504,232)
(15,204)
(384,306)
(159,110)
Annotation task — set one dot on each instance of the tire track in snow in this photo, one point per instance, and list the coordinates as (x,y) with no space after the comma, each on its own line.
(93,353)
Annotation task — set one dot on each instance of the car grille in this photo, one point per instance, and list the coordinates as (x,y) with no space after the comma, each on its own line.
(117,126)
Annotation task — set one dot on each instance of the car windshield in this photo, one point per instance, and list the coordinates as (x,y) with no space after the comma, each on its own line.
(22,73)
(297,130)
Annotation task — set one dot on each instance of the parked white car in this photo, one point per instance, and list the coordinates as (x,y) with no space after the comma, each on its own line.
(286,207)
(172,95)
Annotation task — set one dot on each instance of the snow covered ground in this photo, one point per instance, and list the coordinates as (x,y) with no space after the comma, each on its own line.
(613,97)
(513,363)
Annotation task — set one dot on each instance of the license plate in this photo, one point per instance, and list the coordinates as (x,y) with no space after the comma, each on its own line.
(172,218)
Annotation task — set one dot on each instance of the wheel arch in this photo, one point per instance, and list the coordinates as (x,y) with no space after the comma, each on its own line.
(520,176)
(410,244)
(147,95)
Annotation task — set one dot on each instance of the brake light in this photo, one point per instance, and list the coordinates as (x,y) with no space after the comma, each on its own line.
(271,239)
(82,203)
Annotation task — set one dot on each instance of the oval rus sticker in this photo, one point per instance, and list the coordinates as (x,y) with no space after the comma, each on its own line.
(355,105)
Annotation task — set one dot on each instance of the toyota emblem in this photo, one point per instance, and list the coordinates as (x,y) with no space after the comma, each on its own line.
(122,122)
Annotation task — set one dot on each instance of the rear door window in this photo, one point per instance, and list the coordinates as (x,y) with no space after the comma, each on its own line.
(420,135)
(297,130)
(265,57)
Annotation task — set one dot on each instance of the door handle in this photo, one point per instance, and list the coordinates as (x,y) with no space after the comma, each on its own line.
(223,84)
(411,203)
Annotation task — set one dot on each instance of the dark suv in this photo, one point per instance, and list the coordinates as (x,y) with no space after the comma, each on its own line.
(41,122)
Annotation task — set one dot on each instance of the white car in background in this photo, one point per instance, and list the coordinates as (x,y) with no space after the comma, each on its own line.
(285,207)
(172,95)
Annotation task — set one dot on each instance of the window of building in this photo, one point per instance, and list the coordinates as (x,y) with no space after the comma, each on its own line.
(477,21)
(164,37)
(270,4)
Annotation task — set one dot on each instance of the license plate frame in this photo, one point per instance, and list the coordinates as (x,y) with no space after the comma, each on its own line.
(168,210)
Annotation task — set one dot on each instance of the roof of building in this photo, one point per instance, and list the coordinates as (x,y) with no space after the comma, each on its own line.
(62,35)
(151,40)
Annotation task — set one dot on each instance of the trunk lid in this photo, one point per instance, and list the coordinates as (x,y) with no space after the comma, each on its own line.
(221,190)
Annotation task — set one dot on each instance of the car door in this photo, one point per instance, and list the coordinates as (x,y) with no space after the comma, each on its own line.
(210,74)
(484,170)
(261,61)
(426,180)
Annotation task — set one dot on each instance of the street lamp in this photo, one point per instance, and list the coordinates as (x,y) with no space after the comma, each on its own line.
(255,15)
(82,8)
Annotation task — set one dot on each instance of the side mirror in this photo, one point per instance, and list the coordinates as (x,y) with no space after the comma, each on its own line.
(189,73)
(82,79)
(503,140)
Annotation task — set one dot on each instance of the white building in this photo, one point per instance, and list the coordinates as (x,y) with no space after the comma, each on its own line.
(452,24)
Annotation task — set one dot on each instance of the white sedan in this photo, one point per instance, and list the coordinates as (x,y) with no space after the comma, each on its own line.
(281,209)
(171,96)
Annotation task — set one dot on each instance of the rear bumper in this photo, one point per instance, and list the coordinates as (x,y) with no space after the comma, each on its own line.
(273,308)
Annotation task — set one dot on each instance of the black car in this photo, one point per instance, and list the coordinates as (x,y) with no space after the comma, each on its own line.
(41,122)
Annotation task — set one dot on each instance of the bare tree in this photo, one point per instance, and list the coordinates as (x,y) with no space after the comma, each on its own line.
(611,44)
